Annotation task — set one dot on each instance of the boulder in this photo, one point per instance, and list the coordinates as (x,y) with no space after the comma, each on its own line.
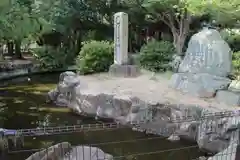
(64,74)
(61,95)
(232,152)
(64,151)
(87,153)
(52,153)
(201,85)
(207,52)
(217,131)
(205,67)
(234,86)
(106,105)
(228,97)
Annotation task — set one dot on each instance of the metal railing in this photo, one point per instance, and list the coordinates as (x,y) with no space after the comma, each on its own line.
(231,152)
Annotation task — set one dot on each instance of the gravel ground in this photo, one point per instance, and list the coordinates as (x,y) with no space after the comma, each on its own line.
(149,87)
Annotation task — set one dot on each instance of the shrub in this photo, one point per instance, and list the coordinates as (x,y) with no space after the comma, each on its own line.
(236,63)
(50,57)
(232,38)
(156,55)
(95,56)
(234,42)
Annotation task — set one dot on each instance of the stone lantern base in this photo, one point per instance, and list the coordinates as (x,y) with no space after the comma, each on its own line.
(124,70)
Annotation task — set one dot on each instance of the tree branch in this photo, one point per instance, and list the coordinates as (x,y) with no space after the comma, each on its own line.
(171,22)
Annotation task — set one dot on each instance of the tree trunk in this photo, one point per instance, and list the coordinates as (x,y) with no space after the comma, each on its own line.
(178,42)
(18,49)
(1,52)
(78,43)
(179,33)
(10,48)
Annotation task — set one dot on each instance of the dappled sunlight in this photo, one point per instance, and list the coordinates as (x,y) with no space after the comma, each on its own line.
(45,144)
(25,104)
(60,110)
(2,104)
(27,114)
(17,100)
(29,88)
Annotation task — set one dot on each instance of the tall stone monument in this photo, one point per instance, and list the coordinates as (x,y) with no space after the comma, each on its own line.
(205,67)
(121,67)
(120,38)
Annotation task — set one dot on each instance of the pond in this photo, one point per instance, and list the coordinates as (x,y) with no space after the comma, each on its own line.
(22,105)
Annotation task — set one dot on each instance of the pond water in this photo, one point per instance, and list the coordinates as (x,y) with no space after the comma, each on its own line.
(22,105)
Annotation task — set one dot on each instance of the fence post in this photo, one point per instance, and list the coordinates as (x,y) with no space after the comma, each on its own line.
(3,146)
(237,157)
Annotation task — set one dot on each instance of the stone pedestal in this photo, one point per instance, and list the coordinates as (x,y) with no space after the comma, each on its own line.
(124,70)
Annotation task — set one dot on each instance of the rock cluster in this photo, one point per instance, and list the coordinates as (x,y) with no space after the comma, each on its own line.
(212,132)
(203,71)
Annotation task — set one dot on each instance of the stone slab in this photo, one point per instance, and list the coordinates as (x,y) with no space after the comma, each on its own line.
(124,70)
(228,97)
(202,85)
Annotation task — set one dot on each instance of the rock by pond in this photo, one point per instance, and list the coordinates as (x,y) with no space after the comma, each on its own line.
(64,151)
(168,120)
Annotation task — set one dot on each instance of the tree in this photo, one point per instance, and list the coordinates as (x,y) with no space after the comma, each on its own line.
(17,23)
(179,14)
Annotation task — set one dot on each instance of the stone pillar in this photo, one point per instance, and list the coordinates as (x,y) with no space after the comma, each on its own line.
(120,38)
(121,66)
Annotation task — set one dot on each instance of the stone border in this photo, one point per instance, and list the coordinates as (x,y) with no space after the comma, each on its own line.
(29,70)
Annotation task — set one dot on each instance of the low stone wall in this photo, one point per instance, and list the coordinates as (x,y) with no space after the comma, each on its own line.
(8,70)
(13,69)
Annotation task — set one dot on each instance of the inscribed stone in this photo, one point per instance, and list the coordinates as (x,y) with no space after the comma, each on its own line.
(120,38)
(201,85)
(207,52)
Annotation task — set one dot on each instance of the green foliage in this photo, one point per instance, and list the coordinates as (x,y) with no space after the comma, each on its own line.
(95,56)
(232,38)
(18,20)
(50,57)
(224,13)
(156,55)
(178,15)
(97,35)
(236,63)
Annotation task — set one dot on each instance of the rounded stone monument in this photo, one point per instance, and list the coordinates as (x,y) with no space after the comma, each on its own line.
(206,65)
